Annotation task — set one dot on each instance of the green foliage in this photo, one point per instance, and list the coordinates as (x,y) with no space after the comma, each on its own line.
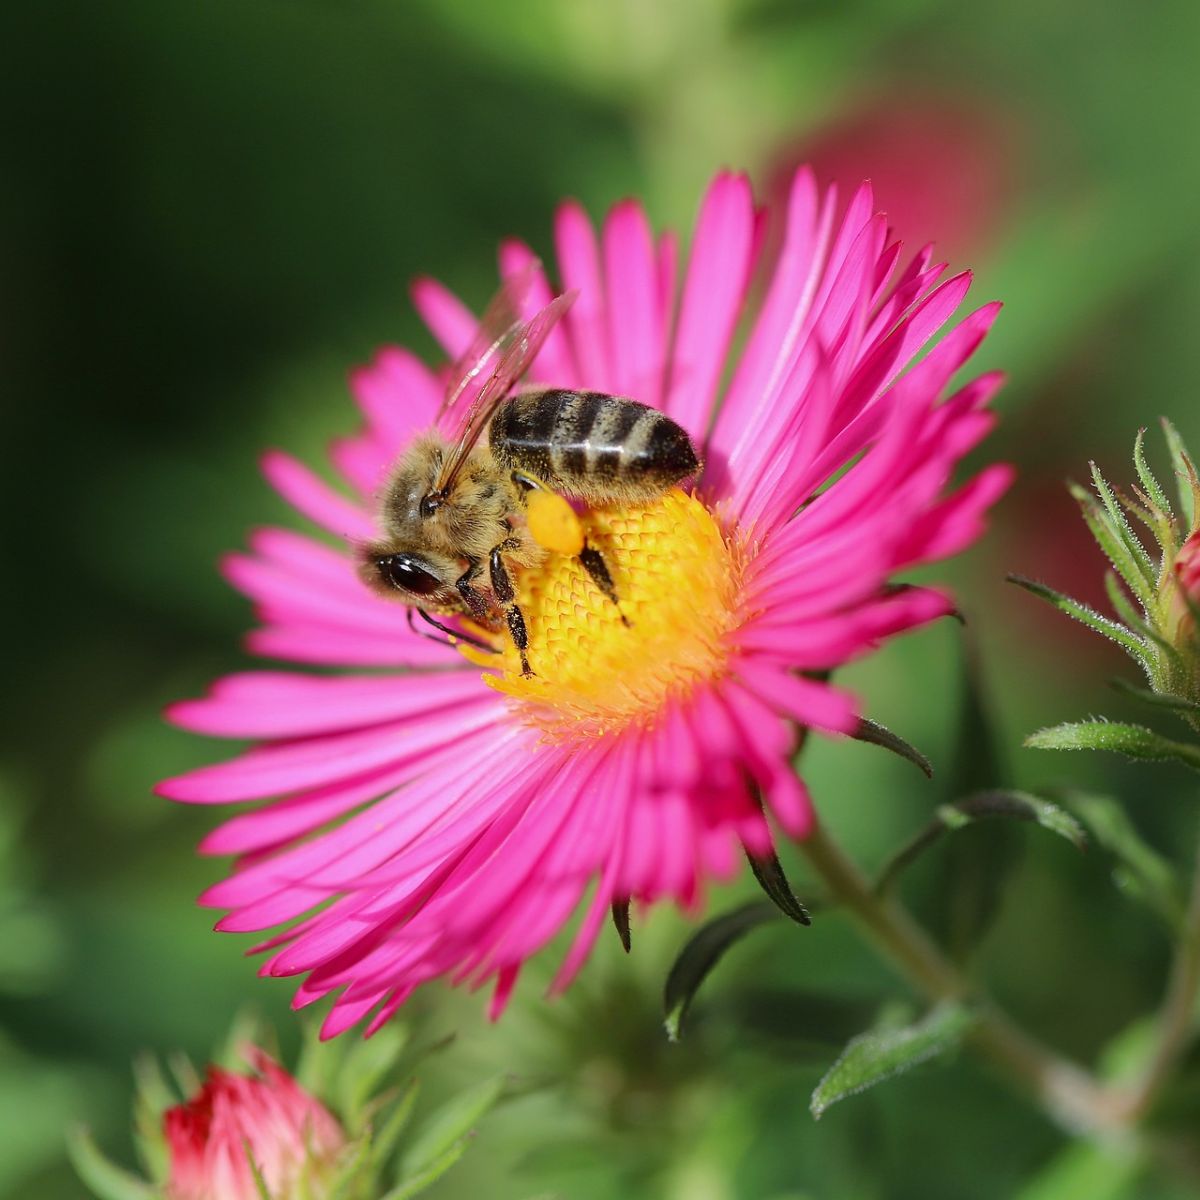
(1141,871)
(443,1135)
(1002,803)
(105,1180)
(162,335)
(873,1057)
(1089,1171)
(1133,741)
(702,952)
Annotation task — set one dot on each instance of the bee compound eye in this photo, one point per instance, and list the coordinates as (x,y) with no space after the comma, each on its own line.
(408,574)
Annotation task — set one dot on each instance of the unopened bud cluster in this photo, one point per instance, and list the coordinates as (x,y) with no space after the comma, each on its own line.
(1154,585)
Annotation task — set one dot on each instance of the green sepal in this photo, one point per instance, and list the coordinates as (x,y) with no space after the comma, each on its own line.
(769,872)
(1108,538)
(353,1165)
(1121,603)
(1000,802)
(1142,872)
(105,1180)
(876,734)
(702,951)
(442,1129)
(620,919)
(1137,623)
(260,1184)
(1150,482)
(152,1097)
(1134,741)
(873,1057)
(1185,473)
(1180,705)
(1128,641)
(1120,524)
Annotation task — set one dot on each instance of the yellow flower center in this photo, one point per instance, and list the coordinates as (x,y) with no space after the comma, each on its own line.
(599,667)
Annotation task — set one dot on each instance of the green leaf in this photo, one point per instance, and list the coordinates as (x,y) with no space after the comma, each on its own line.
(1144,873)
(397,1120)
(702,952)
(999,802)
(1108,1170)
(972,870)
(1110,629)
(879,735)
(1024,806)
(978,762)
(769,872)
(365,1065)
(444,1127)
(873,1057)
(1149,482)
(106,1180)
(1134,741)
(414,1184)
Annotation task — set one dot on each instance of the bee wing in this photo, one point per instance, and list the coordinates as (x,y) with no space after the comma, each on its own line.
(514,360)
(500,323)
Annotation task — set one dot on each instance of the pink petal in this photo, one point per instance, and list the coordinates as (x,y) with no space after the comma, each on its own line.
(635,312)
(713,293)
(316,500)
(448,318)
(579,262)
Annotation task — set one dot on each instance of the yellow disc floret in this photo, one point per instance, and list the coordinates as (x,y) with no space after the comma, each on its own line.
(599,666)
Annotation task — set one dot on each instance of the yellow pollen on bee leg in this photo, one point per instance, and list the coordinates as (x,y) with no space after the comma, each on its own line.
(677,578)
(553,523)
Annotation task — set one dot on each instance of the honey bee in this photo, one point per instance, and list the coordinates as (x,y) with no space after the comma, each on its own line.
(457,512)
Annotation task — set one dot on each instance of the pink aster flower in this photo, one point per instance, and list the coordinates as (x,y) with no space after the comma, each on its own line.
(266,1117)
(439,815)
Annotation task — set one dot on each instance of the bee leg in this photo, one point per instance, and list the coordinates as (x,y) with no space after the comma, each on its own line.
(527,482)
(506,596)
(454,636)
(474,599)
(593,563)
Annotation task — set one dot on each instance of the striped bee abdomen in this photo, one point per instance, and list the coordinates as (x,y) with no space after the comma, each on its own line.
(604,449)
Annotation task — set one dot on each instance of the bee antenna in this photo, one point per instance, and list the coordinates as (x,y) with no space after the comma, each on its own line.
(431,502)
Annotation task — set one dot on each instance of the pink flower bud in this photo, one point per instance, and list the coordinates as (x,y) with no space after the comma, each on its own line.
(1187,567)
(265,1116)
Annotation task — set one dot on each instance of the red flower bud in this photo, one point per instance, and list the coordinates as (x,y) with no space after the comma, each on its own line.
(265,1116)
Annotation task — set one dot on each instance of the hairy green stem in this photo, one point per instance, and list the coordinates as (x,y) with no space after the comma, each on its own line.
(1070,1095)
(1177,1017)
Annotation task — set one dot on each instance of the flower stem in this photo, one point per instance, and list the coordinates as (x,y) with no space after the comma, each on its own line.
(1177,1016)
(1065,1091)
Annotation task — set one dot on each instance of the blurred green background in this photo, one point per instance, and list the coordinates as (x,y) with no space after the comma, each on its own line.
(209,212)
